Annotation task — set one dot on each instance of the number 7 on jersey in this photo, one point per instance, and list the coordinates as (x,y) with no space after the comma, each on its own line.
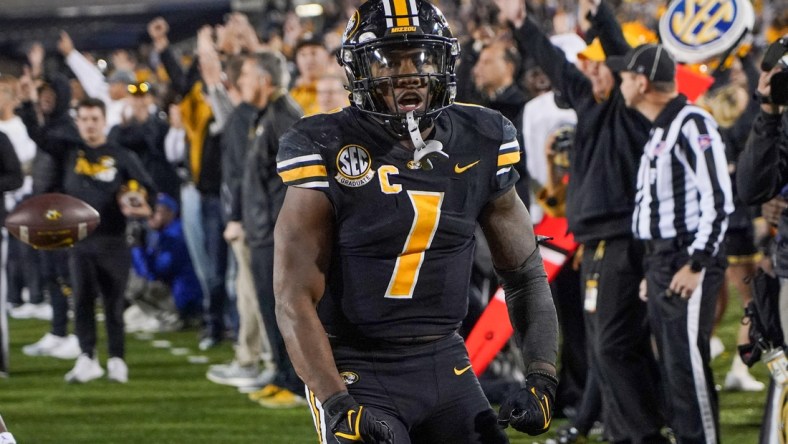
(427,212)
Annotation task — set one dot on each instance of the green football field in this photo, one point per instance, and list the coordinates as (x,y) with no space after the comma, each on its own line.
(168,399)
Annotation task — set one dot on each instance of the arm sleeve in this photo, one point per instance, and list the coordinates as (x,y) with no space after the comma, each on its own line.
(139,260)
(181,81)
(300,163)
(234,145)
(531,310)
(220,104)
(10,168)
(89,76)
(574,87)
(762,167)
(175,145)
(136,171)
(605,25)
(713,183)
(509,156)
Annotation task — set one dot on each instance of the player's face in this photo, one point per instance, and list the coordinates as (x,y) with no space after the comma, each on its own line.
(410,91)
(91,123)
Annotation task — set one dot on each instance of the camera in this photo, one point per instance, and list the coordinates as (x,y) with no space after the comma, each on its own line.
(776,55)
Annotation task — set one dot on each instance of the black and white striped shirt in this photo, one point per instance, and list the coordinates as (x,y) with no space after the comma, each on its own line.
(683,187)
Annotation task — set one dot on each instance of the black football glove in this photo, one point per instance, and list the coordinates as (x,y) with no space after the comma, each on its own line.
(351,422)
(530,409)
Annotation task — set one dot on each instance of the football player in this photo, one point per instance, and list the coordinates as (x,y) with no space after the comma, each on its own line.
(375,240)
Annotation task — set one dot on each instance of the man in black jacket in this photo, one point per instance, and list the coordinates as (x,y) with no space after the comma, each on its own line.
(100,173)
(262,192)
(600,200)
(10,179)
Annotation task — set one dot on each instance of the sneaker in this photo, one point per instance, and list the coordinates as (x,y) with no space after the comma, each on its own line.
(207,342)
(67,349)
(117,370)
(85,370)
(716,347)
(570,435)
(44,346)
(42,311)
(744,382)
(264,392)
(24,311)
(282,398)
(233,374)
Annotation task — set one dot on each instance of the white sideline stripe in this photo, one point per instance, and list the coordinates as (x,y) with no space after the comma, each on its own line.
(307,158)
(702,394)
(503,171)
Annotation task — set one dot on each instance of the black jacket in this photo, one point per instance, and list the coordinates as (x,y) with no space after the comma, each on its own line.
(10,170)
(609,140)
(146,140)
(262,190)
(762,173)
(238,134)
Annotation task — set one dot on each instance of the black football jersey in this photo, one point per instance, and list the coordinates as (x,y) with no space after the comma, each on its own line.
(404,240)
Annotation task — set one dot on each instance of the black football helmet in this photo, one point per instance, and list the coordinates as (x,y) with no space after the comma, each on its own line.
(379,36)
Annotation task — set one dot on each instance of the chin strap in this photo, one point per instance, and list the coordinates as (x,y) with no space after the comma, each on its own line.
(424,153)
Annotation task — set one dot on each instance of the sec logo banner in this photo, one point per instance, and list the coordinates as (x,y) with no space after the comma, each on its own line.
(695,31)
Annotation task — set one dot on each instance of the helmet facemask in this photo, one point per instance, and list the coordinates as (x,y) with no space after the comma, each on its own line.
(391,77)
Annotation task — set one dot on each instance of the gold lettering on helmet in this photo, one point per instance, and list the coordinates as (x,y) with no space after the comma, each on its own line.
(403,29)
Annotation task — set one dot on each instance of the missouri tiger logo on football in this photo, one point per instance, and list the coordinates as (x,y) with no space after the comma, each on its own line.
(354,166)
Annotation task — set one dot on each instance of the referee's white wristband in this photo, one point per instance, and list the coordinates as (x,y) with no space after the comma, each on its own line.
(7,438)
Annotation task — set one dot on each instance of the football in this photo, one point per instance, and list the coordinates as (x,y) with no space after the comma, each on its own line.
(52,221)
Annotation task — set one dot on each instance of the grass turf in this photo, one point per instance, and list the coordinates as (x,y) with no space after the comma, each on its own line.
(168,400)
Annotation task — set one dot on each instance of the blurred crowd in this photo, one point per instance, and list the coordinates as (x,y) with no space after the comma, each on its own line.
(202,118)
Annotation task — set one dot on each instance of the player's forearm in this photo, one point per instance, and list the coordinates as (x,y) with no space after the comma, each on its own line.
(308,347)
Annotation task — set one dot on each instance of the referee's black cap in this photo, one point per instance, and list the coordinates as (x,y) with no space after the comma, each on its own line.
(653,61)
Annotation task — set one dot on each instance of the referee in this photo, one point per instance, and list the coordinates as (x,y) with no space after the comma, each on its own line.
(681,211)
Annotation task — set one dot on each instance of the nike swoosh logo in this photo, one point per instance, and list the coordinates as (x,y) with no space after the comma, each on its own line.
(461,371)
(459,170)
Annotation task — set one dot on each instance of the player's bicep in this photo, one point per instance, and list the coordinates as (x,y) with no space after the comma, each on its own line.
(507,227)
(302,245)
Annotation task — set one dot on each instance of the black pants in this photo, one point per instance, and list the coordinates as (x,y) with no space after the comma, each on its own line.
(54,273)
(574,366)
(3,309)
(426,393)
(620,339)
(100,265)
(263,272)
(23,272)
(682,329)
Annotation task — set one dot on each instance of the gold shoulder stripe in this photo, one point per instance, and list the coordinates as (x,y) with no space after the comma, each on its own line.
(508,158)
(303,173)
(468,104)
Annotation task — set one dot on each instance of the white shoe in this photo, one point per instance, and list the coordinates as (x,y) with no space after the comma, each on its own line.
(85,370)
(716,347)
(743,382)
(117,370)
(24,311)
(42,311)
(44,346)
(68,348)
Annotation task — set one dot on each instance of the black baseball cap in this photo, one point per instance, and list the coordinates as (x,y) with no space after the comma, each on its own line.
(653,61)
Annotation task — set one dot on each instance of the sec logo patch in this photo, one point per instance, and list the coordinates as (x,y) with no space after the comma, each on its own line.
(354,166)
(349,377)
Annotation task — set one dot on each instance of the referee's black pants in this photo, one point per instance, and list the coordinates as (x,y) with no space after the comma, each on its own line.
(619,339)
(682,329)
